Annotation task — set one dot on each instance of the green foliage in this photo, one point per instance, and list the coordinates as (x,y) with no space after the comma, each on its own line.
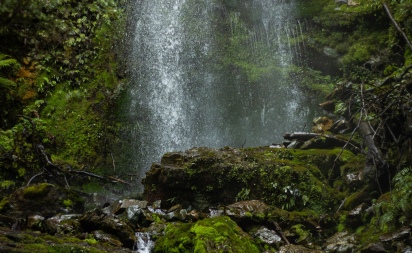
(394,209)
(314,80)
(6,184)
(65,86)
(5,82)
(301,231)
(243,194)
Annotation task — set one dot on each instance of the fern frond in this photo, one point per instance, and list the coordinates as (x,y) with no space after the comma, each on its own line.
(7,83)
(7,62)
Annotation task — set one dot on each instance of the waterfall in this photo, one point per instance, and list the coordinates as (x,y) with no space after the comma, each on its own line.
(144,244)
(207,73)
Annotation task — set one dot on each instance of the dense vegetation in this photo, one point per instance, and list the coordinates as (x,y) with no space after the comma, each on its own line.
(372,89)
(60,81)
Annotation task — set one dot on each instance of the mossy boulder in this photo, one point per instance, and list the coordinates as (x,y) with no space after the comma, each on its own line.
(219,234)
(41,199)
(288,179)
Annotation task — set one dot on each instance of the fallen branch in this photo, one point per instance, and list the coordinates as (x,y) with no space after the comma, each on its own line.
(385,6)
(119,180)
(281,232)
(87,174)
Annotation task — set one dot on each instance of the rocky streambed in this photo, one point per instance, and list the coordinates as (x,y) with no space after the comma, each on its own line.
(262,199)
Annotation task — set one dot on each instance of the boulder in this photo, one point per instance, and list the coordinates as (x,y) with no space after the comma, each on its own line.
(96,220)
(44,199)
(219,177)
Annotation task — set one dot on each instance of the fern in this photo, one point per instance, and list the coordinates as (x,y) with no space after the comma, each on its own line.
(6,83)
(4,62)
(7,62)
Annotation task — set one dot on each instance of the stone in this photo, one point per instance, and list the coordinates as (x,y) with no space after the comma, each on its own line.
(267,236)
(341,242)
(354,180)
(354,217)
(35,222)
(399,235)
(373,247)
(215,212)
(247,208)
(174,208)
(61,224)
(193,215)
(113,208)
(157,204)
(133,212)
(133,202)
(102,236)
(176,215)
(296,249)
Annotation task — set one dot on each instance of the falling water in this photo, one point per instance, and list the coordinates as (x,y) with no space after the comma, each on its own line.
(144,244)
(206,73)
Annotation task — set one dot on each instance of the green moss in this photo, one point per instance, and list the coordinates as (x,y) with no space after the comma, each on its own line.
(208,235)
(37,191)
(68,203)
(7,184)
(342,223)
(300,230)
(4,204)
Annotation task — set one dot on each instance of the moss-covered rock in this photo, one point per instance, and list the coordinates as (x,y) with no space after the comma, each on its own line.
(29,242)
(41,199)
(218,234)
(288,179)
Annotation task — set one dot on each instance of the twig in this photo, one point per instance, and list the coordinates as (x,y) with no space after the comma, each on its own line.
(244,143)
(281,233)
(341,205)
(114,166)
(33,177)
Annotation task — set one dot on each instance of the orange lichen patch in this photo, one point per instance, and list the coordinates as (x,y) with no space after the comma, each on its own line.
(321,124)
(25,73)
(29,94)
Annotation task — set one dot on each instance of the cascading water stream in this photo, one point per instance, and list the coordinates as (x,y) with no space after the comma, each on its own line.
(210,74)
